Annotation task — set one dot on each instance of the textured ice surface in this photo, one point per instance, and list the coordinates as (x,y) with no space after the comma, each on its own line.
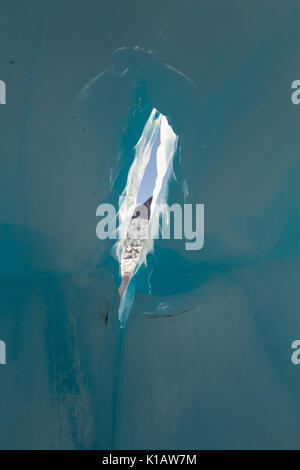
(204,361)
(132,248)
(156,125)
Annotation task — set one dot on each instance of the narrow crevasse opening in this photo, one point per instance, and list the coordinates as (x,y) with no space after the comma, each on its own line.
(141,203)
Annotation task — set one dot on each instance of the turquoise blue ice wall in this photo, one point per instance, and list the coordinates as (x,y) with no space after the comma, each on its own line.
(205,359)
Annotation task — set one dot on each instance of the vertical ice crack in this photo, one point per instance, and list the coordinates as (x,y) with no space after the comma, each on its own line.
(160,142)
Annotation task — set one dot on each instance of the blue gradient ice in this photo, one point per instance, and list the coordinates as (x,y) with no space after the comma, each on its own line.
(204,360)
(149,178)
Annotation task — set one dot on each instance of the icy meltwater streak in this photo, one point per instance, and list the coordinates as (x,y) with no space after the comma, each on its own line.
(157,123)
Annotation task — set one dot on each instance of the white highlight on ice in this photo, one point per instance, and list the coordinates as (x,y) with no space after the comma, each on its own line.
(128,200)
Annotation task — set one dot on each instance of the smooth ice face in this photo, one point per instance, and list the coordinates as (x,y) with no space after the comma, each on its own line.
(135,233)
(149,178)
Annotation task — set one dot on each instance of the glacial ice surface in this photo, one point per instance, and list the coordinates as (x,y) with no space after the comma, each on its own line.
(204,361)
